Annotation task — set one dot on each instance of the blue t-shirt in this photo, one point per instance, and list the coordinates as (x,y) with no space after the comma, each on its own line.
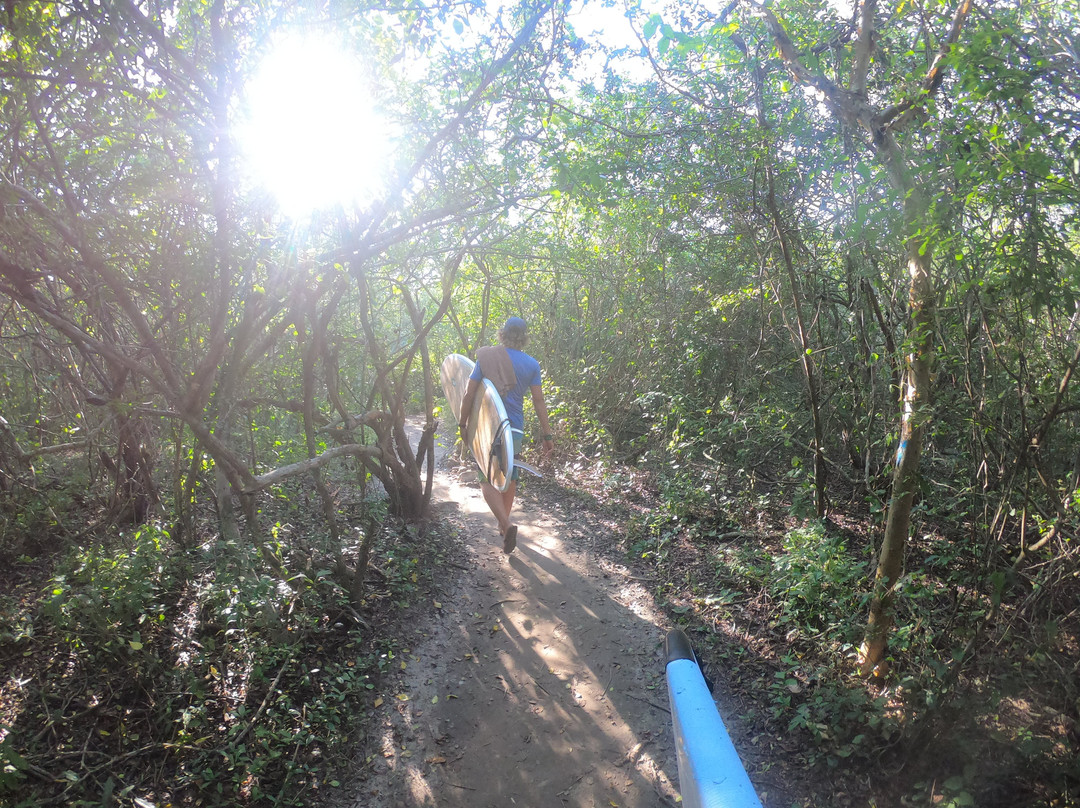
(527,371)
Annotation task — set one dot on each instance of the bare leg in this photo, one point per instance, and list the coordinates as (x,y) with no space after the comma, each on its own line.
(501,504)
(508,498)
(494,498)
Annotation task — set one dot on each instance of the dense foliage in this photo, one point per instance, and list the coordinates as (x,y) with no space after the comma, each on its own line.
(758,266)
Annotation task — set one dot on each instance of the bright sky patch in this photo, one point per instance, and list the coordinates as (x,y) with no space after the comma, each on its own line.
(313,137)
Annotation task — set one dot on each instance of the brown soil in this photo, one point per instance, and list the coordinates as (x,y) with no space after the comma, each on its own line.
(539,680)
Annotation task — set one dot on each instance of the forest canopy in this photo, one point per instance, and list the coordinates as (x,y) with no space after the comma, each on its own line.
(801,259)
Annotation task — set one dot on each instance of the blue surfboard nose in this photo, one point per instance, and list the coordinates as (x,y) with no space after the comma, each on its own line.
(711,775)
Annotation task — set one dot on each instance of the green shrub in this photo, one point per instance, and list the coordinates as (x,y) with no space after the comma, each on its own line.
(103,597)
(817,582)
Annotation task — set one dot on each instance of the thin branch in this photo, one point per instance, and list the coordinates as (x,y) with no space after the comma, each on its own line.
(266,700)
(896,116)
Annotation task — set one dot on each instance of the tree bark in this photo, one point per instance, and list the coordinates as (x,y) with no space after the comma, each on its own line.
(915,415)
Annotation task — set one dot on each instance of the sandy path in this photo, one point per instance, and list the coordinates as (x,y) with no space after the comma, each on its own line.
(538,683)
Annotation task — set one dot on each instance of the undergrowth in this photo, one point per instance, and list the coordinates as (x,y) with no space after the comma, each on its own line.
(974,707)
(135,670)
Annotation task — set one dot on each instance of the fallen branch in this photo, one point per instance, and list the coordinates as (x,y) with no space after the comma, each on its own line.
(277,475)
(266,700)
(577,780)
(57,449)
(650,703)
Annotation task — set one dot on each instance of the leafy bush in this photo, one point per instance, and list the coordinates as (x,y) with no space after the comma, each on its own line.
(576,424)
(817,583)
(841,717)
(213,676)
(102,598)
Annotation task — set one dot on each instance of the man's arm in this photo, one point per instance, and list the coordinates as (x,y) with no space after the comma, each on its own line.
(467,405)
(540,406)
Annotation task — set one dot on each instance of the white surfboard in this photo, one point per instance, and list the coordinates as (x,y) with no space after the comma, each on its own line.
(489,434)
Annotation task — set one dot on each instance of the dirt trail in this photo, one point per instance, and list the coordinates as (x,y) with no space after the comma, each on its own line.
(540,681)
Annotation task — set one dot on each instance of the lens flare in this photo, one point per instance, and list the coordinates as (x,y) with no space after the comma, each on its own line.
(313,137)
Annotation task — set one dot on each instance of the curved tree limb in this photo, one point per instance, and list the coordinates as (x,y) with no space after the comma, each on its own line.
(277,475)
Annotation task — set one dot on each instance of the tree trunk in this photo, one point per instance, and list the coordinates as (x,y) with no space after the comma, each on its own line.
(310,351)
(821,474)
(136,490)
(914,419)
(852,108)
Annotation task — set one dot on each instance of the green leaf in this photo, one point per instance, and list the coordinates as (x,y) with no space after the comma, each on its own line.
(12,758)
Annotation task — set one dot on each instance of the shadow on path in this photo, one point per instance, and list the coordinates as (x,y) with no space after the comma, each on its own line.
(541,683)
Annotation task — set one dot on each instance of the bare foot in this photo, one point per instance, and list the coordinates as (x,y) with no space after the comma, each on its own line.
(510,539)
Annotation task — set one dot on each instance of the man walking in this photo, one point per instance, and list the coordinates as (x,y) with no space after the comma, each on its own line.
(512,371)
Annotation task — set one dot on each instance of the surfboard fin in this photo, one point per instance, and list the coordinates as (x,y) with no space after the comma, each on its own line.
(533,470)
